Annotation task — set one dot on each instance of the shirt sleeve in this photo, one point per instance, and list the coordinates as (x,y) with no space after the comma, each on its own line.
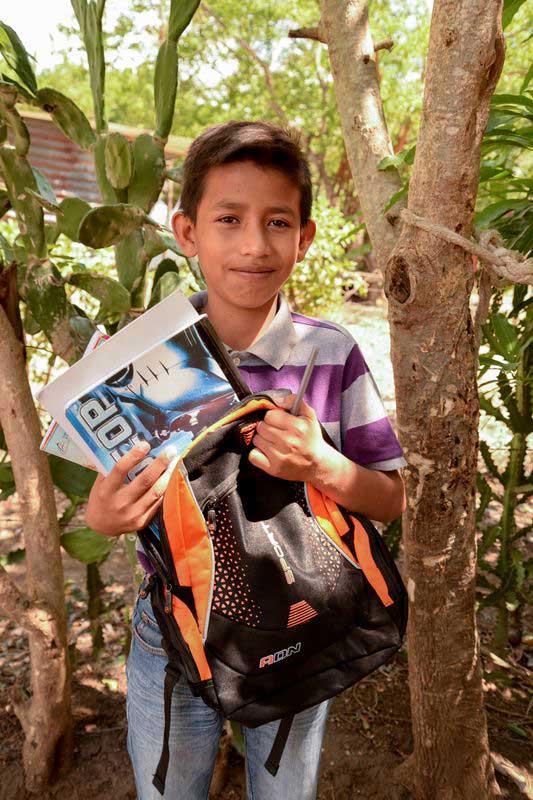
(367,436)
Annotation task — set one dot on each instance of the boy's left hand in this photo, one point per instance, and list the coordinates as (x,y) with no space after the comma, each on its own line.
(287,446)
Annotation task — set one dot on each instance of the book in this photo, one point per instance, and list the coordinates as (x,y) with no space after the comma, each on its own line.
(56,440)
(163,379)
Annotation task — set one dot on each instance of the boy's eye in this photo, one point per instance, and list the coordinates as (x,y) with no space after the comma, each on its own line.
(228,218)
(279,223)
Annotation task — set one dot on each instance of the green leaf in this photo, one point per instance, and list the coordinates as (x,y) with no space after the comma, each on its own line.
(395,197)
(166,284)
(87,546)
(510,100)
(31,326)
(181,13)
(165,87)
(73,210)
(67,116)
(405,156)
(490,535)
(148,172)
(44,194)
(118,161)
(17,57)
(14,556)
(107,225)
(114,298)
(7,256)
(495,210)
(175,174)
(7,481)
(514,728)
(71,478)
(164,266)
(510,8)
(81,329)
(506,335)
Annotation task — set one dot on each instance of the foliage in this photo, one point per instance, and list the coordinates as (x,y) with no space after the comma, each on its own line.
(318,281)
(506,373)
(130,178)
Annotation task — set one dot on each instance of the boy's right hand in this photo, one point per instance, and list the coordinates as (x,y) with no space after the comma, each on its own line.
(116,507)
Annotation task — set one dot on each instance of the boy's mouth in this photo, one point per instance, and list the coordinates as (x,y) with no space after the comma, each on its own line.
(251,271)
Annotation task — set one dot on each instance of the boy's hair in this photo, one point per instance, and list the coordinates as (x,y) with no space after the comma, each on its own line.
(261,142)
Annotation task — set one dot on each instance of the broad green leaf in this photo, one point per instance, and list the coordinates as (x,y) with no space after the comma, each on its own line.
(510,8)
(67,116)
(506,335)
(181,13)
(17,57)
(118,161)
(73,210)
(107,225)
(166,284)
(87,546)
(71,478)
(164,266)
(498,209)
(114,298)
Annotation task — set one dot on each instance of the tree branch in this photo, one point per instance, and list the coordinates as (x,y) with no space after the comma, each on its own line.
(308,33)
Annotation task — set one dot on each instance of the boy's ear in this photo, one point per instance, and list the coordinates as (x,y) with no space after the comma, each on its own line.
(184,231)
(307,234)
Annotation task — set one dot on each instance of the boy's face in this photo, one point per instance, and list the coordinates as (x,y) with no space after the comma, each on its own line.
(247,233)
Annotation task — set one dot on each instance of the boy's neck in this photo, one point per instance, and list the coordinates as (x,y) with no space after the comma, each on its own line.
(239,328)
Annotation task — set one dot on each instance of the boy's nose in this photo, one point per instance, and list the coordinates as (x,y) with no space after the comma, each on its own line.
(254,241)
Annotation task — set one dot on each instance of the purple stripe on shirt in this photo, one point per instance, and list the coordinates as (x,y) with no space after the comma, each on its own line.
(369,444)
(323,392)
(354,367)
(313,323)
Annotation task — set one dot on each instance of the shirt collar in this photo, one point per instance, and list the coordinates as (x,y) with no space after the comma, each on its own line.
(275,345)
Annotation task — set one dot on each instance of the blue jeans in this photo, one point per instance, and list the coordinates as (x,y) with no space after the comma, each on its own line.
(196,728)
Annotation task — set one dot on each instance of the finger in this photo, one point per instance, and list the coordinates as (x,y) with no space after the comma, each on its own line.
(119,473)
(259,459)
(278,418)
(142,516)
(275,445)
(306,410)
(144,482)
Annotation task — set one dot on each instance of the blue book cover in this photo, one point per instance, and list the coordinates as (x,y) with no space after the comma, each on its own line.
(165,396)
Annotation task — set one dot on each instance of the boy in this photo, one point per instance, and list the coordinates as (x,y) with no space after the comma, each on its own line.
(245,212)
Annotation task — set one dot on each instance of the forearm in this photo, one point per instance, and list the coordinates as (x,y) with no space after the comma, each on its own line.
(375,494)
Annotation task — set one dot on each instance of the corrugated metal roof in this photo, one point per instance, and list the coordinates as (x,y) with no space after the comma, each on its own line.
(70,169)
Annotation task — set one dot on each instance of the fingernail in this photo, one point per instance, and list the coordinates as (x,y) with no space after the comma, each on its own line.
(170,452)
(143,447)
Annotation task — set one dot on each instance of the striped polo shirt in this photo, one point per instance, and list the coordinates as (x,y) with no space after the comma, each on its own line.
(342,390)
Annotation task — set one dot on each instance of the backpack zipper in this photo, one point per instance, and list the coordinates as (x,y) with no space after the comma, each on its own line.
(323,532)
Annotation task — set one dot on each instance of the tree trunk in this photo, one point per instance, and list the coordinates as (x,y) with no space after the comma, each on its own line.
(428,283)
(344,26)
(45,717)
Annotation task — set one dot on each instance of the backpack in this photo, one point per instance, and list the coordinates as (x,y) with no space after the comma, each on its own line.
(270,597)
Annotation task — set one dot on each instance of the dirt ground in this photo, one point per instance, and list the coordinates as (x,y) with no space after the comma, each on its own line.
(368,732)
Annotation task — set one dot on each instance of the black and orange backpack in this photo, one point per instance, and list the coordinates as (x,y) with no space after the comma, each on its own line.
(270,597)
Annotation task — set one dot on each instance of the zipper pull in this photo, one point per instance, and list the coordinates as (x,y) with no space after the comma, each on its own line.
(211,521)
(168,599)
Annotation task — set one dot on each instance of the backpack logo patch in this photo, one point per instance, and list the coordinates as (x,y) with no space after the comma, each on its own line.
(287,571)
(273,658)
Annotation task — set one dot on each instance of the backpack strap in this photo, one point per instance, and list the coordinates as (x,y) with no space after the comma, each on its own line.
(272,762)
(172,676)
